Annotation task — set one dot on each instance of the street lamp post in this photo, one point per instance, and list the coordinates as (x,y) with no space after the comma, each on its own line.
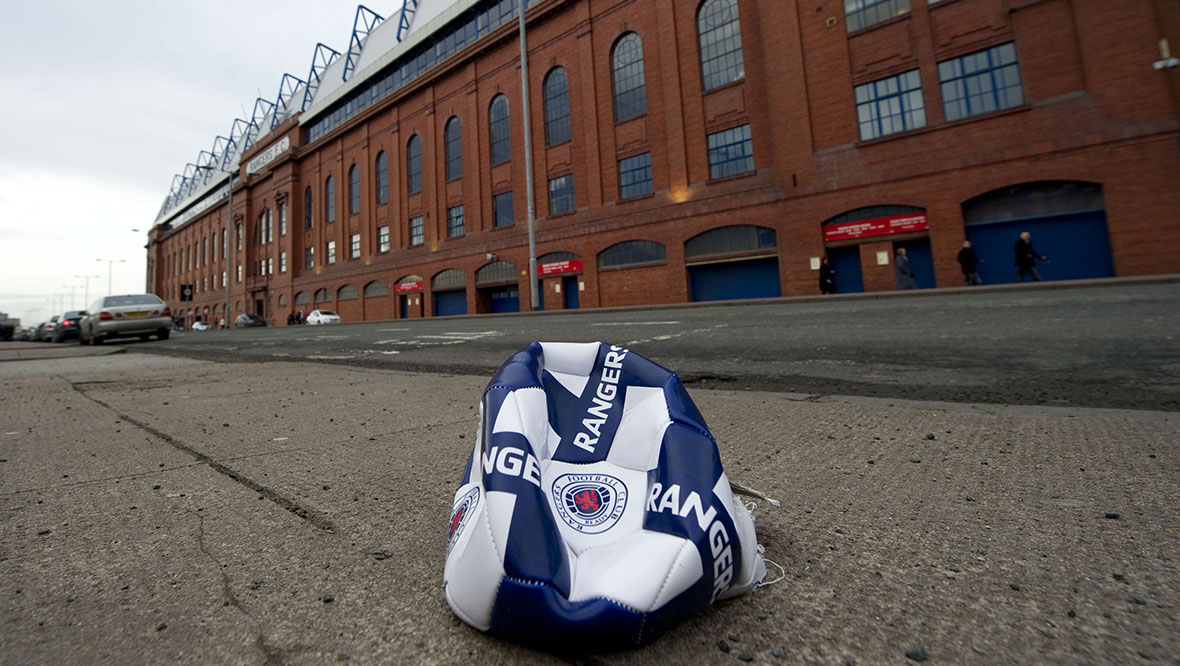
(534,297)
(71,287)
(86,293)
(110,268)
(227,251)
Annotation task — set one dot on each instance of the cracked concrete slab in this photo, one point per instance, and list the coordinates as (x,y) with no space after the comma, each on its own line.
(978,532)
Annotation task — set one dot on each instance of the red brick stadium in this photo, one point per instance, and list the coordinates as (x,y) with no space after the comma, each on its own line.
(685,151)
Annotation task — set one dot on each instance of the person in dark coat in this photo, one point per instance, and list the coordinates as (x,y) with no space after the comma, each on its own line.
(902,271)
(1026,258)
(826,284)
(969,262)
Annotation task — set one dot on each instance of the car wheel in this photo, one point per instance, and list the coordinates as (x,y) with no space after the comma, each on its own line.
(162,334)
(82,339)
(95,340)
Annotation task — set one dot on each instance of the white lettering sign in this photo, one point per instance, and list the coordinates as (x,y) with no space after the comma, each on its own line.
(269,155)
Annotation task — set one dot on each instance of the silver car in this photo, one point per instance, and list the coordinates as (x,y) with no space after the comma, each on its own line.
(135,315)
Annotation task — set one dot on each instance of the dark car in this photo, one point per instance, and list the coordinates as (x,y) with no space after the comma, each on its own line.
(249,321)
(67,326)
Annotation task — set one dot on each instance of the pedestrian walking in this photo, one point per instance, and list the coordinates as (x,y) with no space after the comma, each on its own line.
(291,318)
(826,283)
(1026,258)
(969,262)
(299,317)
(902,272)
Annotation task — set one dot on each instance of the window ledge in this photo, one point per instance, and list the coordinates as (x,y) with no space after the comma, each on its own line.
(723,86)
(944,125)
(647,264)
(637,198)
(736,176)
(869,28)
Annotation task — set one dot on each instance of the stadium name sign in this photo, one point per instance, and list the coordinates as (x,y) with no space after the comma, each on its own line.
(267,156)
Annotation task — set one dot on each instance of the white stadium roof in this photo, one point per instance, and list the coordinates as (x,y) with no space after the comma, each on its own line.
(375,42)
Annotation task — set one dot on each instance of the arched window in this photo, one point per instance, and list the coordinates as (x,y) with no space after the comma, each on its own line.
(720,37)
(329,200)
(346,293)
(302,298)
(626,69)
(499,130)
(453,147)
(632,253)
(381,178)
(734,239)
(557,107)
(308,208)
(322,295)
(451,278)
(354,190)
(282,300)
(496,272)
(376,288)
(414,165)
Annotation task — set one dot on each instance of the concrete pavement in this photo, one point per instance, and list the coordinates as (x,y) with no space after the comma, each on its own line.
(157,509)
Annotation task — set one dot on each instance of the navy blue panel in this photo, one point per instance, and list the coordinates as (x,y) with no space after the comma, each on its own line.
(521,370)
(757,278)
(1078,245)
(541,294)
(467,471)
(505,299)
(845,263)
(921,261)
(449,303)
(404,306)
(688,469)
(535,550)
(569,292)
(536,615)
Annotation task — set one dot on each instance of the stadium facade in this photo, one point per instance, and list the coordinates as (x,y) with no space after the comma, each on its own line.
(685,151)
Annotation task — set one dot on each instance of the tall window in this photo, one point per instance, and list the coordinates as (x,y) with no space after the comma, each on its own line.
(414,165)
(626,68)
(383,238)
(309,257)
(730,152)
(561,194)
(503,214)
(381,178)
(890,105)
(981,82)
(330,200)
(282,262)
(417,237)
(499,130)
(860,14)
(456,224)
(330,254)
(635,176)
(720,37)
(282,221)
(354,246)
(453,147)
(557,107)
(354,190)
(308,208)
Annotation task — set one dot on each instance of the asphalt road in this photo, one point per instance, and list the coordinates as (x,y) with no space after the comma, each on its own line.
(1109,346)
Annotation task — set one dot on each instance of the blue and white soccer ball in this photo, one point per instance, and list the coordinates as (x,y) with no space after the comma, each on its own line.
(593,514)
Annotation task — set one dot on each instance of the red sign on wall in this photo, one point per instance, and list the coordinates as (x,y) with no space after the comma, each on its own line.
(555,267)
(881,226)
(407,286)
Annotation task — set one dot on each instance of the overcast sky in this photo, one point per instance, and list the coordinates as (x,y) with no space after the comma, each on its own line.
(104,102)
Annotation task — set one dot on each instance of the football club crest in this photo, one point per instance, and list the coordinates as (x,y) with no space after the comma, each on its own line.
(589,503)
(460,515)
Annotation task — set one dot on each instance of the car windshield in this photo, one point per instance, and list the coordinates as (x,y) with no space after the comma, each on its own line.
(327,313)
(140,299)
(73,314)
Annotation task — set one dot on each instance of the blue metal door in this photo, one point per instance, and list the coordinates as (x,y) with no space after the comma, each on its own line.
(569,292)
(845,263)
(404,306)
(1078,246)
(505,299)
(757,278)
(449,303)
(921,261)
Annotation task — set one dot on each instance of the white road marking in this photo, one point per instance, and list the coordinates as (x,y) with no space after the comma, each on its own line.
(331,358)
(635,323)
(392,329)
(280,439)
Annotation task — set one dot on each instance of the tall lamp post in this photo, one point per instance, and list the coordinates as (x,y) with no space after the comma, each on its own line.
(534,297)
(86,293)
(110,267)
(71,287)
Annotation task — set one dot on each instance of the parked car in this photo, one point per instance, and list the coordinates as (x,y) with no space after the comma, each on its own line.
(45,330)
(249,321)
(67,326)
(201,326)
(323,317)
(129,315)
